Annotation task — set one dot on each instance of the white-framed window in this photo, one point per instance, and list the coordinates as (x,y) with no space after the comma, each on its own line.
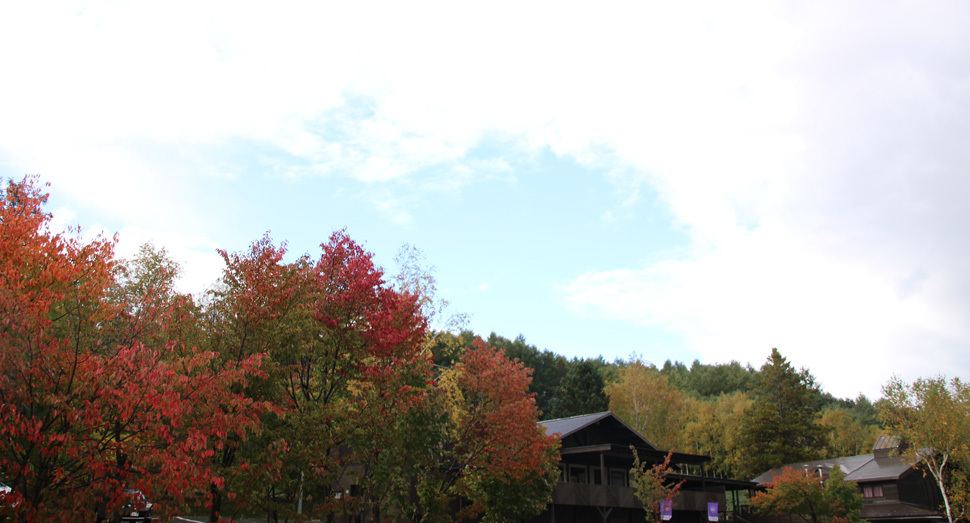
(872,491)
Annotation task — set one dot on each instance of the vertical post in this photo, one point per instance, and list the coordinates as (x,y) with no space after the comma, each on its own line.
(603,477)
(299,503)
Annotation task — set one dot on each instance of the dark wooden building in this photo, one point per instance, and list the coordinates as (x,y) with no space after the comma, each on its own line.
(892,489)
(594,481)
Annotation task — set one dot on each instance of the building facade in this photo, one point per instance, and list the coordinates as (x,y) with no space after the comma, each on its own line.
(893,490)
(595,485)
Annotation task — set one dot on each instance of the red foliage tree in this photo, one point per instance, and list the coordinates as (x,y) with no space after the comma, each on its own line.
(360,372)
(83,418)
(262,305)
(345,365)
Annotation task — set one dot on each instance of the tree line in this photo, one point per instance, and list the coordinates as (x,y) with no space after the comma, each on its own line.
(752,420)
(703,408)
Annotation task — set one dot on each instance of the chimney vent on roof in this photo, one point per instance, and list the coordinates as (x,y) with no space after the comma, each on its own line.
(887,446)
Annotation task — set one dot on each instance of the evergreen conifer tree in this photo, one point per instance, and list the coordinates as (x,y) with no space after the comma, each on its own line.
(780,426)
(581,392)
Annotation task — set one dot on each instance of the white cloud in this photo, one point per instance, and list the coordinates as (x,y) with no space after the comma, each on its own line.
(766,290)
(196,255)
(813,152)
(827,231)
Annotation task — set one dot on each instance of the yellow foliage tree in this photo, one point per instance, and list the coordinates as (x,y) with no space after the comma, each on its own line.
(645,400)
(845,436)
(715,430)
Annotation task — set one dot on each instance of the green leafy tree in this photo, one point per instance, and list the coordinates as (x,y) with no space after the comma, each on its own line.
(581,392)
(932,416)
(843,497)
(780,426)
(151,311)
(807,495)
(709,381)
(864,411)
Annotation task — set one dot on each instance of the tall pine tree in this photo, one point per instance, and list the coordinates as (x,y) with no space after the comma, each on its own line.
(780,426)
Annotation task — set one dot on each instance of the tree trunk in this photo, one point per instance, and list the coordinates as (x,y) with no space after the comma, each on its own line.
(216,503)
(937,471)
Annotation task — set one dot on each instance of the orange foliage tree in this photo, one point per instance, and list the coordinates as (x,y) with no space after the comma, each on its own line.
(492,455)
(828,500)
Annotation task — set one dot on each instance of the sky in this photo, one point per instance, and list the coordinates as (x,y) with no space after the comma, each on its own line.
(654,180)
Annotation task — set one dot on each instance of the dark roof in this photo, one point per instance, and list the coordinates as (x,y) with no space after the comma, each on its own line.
(881,465)
(847,465)
(588,432)
(880,469)
(861,469)
(566,426)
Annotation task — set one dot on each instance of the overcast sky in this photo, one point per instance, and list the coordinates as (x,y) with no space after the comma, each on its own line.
(687,181)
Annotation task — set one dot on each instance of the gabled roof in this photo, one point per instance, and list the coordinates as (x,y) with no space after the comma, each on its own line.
(593,431)
(566,426)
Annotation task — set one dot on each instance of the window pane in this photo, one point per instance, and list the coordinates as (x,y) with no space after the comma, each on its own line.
(577,474)
(617,478)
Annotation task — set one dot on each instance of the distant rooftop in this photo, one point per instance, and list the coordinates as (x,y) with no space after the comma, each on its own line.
(880,465)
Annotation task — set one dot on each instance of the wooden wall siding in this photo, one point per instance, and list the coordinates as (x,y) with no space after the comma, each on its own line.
(594,495)
(914,488)
(890,492)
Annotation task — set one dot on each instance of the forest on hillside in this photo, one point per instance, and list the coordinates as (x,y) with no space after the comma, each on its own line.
(702,409)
